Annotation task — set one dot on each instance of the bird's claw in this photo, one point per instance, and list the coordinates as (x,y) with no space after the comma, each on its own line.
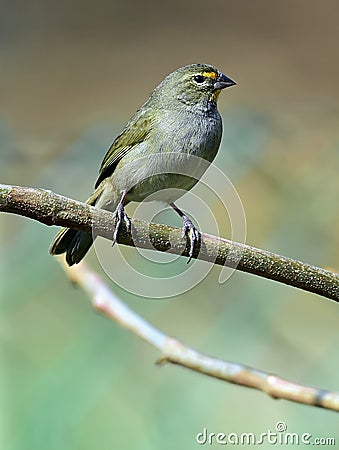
(120,216)
(194,235)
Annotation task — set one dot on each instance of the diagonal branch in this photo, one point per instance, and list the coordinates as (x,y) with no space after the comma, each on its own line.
(175,352)
(53,209)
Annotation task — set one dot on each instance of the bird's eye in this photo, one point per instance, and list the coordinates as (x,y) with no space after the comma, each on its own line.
(199,79)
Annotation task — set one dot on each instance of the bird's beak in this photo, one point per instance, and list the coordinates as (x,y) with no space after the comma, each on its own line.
(223,82)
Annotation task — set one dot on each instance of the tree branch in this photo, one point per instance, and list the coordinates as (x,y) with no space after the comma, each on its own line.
(175,352)
(53,209)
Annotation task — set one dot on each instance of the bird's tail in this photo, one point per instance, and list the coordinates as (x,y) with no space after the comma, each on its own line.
(75,243)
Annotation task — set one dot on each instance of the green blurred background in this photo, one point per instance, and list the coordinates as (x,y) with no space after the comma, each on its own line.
(71,74)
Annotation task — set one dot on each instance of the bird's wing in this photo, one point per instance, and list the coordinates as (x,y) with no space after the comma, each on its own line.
(136,131)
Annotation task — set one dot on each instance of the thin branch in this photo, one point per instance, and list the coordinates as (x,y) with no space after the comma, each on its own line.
(53,209)
(176,352)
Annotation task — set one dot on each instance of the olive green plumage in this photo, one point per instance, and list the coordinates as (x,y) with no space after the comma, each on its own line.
(152,153)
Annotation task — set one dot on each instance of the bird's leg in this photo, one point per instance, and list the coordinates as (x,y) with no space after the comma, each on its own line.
(120,216)
(188,229)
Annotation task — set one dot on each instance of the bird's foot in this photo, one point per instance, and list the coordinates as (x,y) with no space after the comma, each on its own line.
(120,216)
(188,229)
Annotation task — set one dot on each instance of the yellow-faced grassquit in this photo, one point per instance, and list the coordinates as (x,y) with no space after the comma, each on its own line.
(157,153)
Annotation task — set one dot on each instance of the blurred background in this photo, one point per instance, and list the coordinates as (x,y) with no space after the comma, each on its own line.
(71,75)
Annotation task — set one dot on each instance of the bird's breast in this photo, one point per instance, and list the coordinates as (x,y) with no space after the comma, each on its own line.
(175,155)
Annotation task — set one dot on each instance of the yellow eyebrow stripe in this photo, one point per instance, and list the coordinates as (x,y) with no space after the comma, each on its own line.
(210,74)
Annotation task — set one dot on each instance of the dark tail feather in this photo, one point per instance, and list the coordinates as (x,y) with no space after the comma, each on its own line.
(74,243)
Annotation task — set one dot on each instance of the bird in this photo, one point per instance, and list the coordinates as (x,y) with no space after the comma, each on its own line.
(155,156)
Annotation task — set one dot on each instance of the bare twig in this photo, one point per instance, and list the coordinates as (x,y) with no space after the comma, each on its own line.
(175,352)
(54,209)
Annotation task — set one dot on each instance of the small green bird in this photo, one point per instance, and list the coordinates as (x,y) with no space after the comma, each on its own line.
(152,154)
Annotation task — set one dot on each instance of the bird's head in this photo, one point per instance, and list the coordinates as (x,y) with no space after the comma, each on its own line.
(196,84)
